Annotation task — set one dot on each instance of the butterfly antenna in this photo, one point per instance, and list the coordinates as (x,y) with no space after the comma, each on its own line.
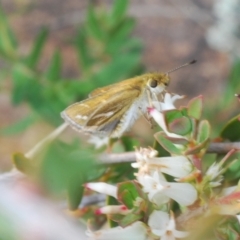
(184,65)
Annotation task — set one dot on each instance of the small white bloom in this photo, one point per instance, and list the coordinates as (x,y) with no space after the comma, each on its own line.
(104,188)
(143,155)
(146,161)
(136,231)
(113,209)
(177,166)
(168,102)
(164,226)
(160,120)
(160,191)
(213,174)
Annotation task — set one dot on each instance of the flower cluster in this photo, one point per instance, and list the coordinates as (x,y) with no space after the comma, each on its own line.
(146,209)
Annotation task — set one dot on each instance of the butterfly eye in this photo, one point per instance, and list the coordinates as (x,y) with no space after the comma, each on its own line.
(153,83)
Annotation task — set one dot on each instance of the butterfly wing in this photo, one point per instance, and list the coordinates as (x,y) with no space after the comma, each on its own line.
(116,86)
(102,113)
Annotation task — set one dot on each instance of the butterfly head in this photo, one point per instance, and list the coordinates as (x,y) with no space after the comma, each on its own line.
(157,82)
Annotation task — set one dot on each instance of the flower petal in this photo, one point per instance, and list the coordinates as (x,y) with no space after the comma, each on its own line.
(183,193)
(136,231)
(158,220)
(102,187)
(178,166)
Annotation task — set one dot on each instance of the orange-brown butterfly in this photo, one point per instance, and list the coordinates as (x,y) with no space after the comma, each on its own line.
(110,111)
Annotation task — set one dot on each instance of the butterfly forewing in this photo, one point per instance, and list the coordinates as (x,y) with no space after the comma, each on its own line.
(102,112)
(117,86)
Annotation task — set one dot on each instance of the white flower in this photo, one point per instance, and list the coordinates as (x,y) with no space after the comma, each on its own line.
(164,226)
(168,102)
(136,231)
(214,173)
(160,191)
(102,187)
(113,209)
(143,155)
(160,120)
(177,166)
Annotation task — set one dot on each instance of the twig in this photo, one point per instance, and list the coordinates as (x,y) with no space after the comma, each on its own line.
(114,158)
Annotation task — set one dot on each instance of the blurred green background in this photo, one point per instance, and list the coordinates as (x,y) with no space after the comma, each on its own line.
(53,53)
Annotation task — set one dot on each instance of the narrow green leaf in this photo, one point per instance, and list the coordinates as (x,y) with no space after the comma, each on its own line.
(94,25)
(119,37)
(8,43)
(203,131)
(166,143)
(231,130)
(118,69)
(195,107)
(23,79)
(19,126)
(37,48)
(197,148)
(119,10)
(54,70)
(127,193)
(83,49)
(22,163)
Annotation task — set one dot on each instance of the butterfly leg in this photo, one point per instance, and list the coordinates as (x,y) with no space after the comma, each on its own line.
(147,117)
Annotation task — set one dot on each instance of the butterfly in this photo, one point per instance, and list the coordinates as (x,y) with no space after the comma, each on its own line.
(112,110)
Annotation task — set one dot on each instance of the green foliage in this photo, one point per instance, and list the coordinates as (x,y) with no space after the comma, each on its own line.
(68,167)
(195,108)
(106,54)
(8,43)
(225,102)
(231,130)
(166,143)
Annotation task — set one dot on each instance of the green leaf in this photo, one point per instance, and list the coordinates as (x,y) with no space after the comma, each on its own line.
(172,115)
(22,163)
(129,219)
(94,24)
(83,49)
(181,126)
(204,131)
(37,48)
(23,84)
(231,130)
(127,193)
(197,148)
(8,43)
(195,107)
(118,69)
(75,192)
(166,143)
(67,167)
(233,83)
(129,143)
(119,10)
(119,38)
(53,72)
(19,126)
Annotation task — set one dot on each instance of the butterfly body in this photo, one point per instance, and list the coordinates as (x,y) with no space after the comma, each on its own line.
(112,110)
